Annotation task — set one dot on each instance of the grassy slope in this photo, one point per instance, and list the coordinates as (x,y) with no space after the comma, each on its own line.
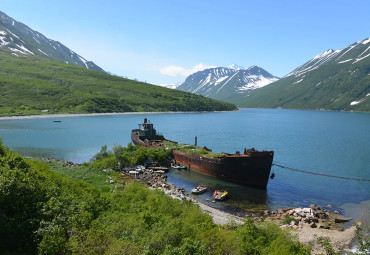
(31,84)
(328,87)
(42,212)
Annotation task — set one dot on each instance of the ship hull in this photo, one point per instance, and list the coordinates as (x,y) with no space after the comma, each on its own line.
(251,170)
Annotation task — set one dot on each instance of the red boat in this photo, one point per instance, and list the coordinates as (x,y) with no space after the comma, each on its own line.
(220,195)
(250,168)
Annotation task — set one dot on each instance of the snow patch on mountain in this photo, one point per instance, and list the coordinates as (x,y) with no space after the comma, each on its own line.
(42,52)
(226,82)
(221,80)
(3,41)
(83,60)
(366,41)
(344,61)
(13,34)
(36,40)
(297,81)
(256,82)
(357,102)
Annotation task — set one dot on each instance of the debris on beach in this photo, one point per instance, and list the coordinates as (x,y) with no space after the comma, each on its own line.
(312,216)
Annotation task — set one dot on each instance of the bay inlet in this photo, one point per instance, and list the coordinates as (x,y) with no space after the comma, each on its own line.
(333,143)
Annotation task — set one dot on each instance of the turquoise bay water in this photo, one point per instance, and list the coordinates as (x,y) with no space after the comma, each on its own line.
(335,143)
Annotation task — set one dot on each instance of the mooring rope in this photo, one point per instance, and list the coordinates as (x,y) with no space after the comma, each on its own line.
(327,175)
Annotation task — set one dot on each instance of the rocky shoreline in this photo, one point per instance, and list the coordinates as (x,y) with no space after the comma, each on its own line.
(310,224)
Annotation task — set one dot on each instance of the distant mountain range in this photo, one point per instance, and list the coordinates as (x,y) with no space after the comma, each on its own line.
(227,83)
(332,80)
(19,39)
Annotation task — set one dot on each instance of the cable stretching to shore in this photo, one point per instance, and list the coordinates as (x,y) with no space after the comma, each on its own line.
(327,175)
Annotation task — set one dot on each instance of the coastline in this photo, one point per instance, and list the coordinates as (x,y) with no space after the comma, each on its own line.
(68,115)
(340,240)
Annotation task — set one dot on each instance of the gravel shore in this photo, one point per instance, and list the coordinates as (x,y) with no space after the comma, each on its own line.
(66,115)
(340,240)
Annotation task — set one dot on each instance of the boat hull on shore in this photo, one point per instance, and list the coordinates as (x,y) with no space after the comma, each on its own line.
(251,168)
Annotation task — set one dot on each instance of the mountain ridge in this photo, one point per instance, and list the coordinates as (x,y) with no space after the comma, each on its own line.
(331,80)
(224,83)
(19,39)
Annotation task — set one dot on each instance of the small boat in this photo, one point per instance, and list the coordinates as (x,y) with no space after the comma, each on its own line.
(220,195)
(179,167)
(57,121)
(199,190)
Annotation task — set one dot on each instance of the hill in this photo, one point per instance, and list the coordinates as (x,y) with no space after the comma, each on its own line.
(42,212)
(31,84)
(332,80)
(19,39)
(227,84)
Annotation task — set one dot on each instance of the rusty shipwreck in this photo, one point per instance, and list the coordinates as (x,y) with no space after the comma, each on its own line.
(251,168)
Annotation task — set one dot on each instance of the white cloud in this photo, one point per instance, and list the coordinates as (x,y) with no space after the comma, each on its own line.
(179,70)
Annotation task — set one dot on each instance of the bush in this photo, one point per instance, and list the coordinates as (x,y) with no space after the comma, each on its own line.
(42,212)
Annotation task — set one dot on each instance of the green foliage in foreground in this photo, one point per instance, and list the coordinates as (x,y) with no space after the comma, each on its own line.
(43,212)
(31,84)
(90,175)
(129,156)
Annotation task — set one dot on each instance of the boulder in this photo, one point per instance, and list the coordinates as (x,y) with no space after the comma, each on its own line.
(324,225)
(301,214)
(337,226)
(315,220)
(314,207)
(313,225)
(293,223)
(307,210)
(338,218)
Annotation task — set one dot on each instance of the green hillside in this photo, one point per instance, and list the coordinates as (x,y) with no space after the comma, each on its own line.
(31,84)
(42,212)
(333,80)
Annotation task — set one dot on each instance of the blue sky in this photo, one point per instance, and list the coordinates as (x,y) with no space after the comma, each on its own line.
(163,41)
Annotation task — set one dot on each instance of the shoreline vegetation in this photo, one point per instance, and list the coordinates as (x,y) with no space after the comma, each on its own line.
(316,234)
(67,115)
(50,206)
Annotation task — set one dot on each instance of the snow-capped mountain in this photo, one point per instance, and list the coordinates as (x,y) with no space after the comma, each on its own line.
(225,83)
(20,40)
(334,79)
(352,54)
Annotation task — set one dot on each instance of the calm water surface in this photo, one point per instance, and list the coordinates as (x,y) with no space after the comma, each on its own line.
(335,143)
